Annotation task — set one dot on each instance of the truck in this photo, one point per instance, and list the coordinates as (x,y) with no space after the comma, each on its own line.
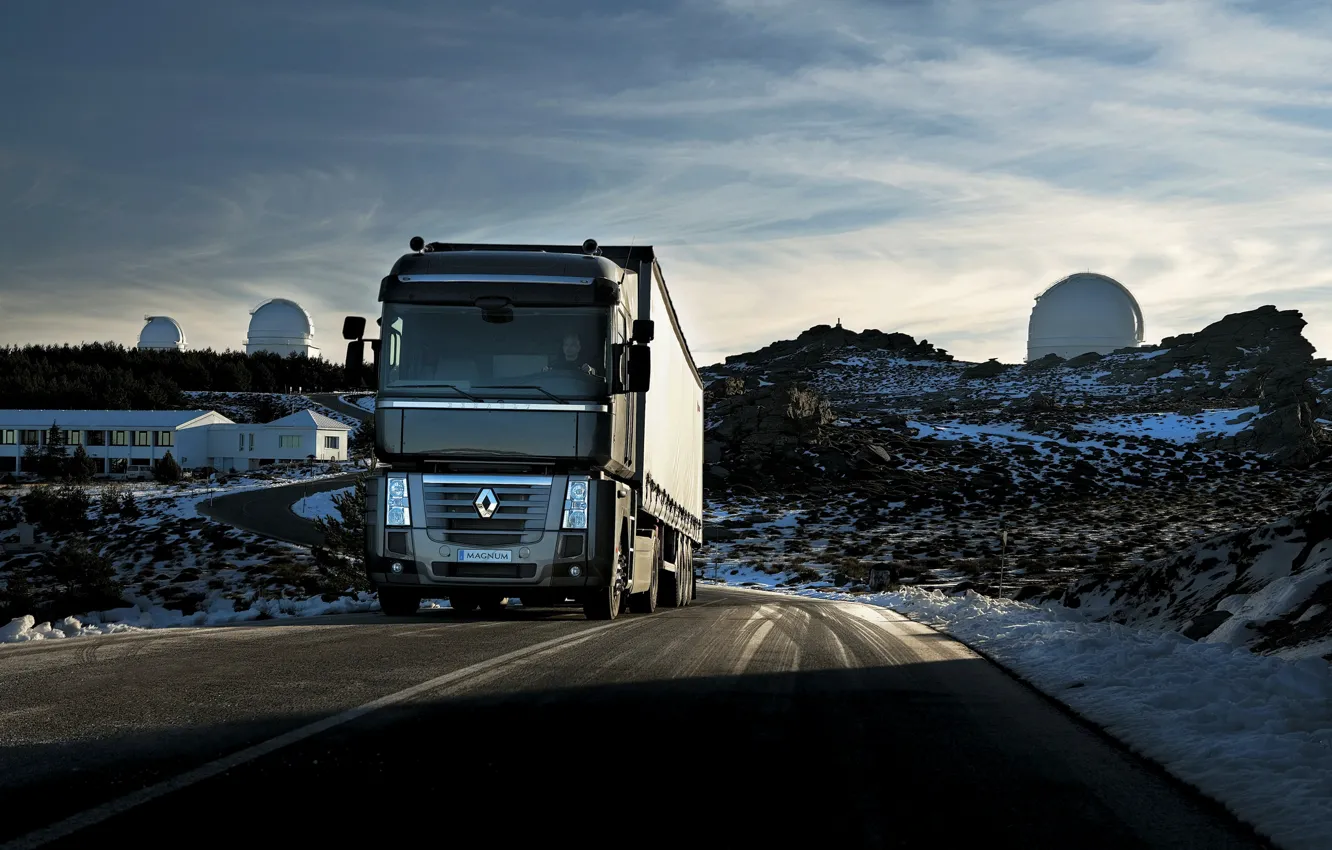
(539,431)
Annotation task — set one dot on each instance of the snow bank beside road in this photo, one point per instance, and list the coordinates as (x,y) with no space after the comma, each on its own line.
(318,505)
(219,612)
(1254,732)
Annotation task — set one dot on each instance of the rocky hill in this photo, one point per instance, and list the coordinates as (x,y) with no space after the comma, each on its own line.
(838,453)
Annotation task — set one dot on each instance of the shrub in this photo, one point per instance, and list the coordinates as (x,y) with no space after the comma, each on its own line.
(86,578)
(58,510)
(344,540)
(166,470)
(129,508)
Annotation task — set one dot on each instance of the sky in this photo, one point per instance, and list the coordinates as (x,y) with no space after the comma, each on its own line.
(915,166)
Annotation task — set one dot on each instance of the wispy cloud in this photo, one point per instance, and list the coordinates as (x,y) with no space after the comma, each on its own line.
(924,167)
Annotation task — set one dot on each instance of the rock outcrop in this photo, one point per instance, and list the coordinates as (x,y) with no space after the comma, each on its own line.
(817,343)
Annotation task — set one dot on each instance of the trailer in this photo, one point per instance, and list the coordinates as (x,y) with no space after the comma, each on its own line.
(539,427)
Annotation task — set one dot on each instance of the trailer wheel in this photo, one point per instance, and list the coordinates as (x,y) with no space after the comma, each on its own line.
(687,568)
(398,602)
(604,603)
(646,602)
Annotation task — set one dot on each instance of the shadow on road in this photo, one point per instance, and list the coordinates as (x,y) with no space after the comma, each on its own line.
(911,755)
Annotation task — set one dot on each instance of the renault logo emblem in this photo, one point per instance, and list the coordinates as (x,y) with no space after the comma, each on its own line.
(486,503)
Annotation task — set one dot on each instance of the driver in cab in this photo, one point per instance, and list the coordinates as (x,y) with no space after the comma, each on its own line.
(571,358)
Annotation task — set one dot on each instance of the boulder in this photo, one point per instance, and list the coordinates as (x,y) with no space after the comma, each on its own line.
(1043,364)
(989,369)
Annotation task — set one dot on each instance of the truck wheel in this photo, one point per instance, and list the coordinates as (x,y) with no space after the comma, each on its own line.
(464,605)
(646,602)
(691,586)
(397,602)
(604,603)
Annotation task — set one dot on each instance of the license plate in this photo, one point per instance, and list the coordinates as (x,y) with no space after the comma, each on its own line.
(485,556)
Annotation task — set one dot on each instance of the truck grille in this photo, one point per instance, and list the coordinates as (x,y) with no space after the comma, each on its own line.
(450,513)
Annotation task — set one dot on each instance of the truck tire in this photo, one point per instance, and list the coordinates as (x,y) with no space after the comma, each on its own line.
(398,602)
(604,603)
(646,602)
(687,571)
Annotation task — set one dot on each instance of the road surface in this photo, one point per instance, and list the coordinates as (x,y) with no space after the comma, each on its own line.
(334,401)
(746,720)
(268,511)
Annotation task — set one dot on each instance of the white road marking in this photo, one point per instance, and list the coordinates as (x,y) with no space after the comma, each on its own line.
(98,814)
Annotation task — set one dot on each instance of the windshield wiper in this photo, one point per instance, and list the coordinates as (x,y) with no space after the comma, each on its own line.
(547,393)
(460,392)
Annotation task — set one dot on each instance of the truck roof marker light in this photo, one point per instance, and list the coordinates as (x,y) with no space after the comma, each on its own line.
(590,247)
(416,244)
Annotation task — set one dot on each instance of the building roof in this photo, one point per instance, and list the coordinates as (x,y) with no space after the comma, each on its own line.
(280,318)
(95,419)
(162,332)
(308,419)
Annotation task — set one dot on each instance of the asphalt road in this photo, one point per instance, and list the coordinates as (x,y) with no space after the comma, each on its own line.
(268,511)
(334,402)
(745,720)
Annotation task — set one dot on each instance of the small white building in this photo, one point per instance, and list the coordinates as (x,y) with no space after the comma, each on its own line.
(162,333)
(128,442)
(300,436)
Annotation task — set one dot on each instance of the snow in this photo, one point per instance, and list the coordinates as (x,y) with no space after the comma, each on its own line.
(365,402)
(1252,731)
(26,628)
(318,504)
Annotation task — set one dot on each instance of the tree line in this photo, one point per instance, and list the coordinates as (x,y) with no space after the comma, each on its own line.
(109,376)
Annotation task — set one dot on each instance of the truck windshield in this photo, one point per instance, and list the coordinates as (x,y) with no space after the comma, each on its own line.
(453,352)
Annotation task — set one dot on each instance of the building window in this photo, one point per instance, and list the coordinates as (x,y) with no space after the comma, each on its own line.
(118,438)
(8,463)
(28,437)
(140,462)
(331,442)
(166,438)
(119,465)
(8,437)
(141,438)
(73,438)
(289,441)
(251,442)
(97,438)
(241,445)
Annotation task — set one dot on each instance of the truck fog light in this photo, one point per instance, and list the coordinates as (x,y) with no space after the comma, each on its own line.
(575,572)
(397,567)
(445,551)
(524,553)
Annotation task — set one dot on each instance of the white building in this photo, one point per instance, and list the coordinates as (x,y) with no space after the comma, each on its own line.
(301,435)
(128,442)
(1081,313)
(281,326)
(162,333)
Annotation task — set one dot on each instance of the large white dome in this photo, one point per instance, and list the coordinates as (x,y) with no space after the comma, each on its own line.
(281,326)
(162,332)
(1081,313)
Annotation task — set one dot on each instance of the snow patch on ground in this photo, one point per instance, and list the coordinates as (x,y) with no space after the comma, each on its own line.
(318,505)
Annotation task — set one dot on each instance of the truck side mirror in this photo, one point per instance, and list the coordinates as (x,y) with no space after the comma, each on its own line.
(645,330)
(355,362)
(353,327)
(640,368)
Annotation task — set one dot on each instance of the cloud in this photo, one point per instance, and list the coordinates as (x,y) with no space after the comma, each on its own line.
(923,167)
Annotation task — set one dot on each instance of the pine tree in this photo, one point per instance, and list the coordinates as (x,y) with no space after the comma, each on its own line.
(78,466)
(51,459)
(166,470)
(361,447)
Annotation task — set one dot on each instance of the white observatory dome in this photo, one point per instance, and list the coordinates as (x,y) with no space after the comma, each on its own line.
(1081,313)
(163,333)
(281,326)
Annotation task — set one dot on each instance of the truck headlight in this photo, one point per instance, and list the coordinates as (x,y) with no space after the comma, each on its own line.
(399,504)
(575,505)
